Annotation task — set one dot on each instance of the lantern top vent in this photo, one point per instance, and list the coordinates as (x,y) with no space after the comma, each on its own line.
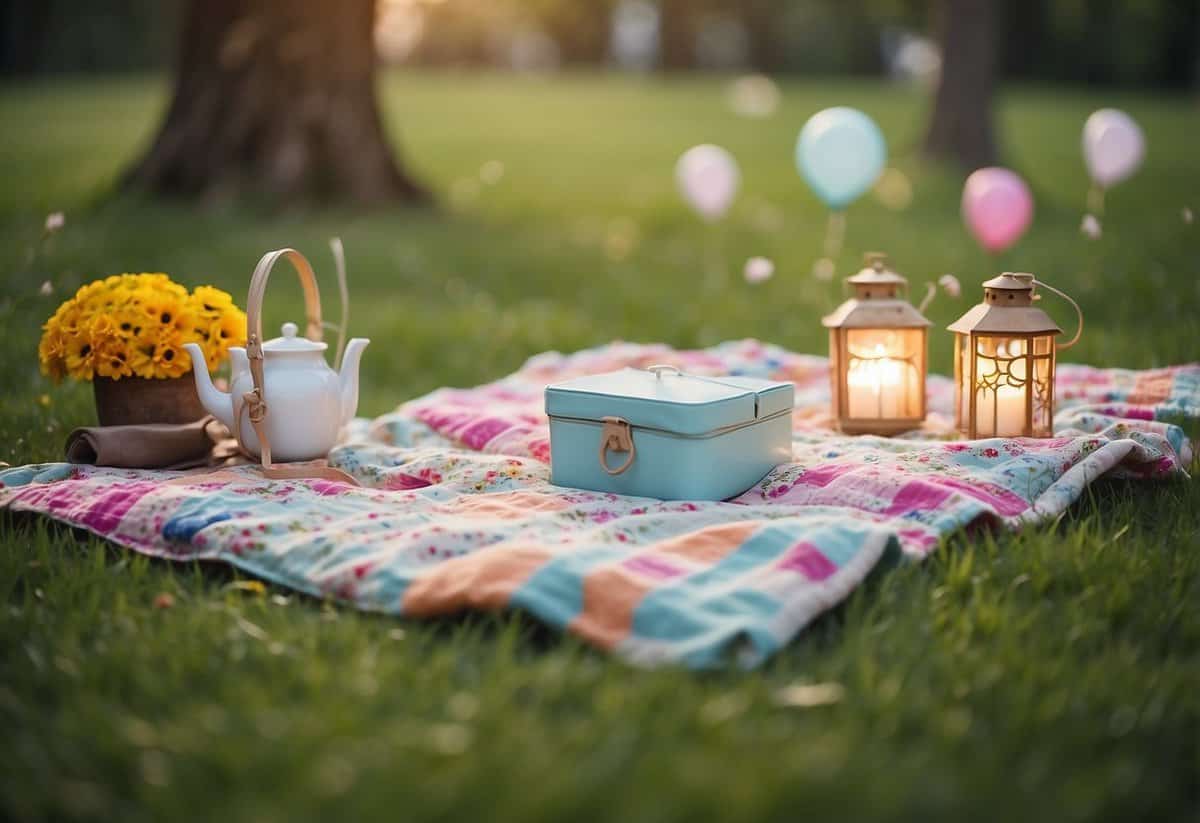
(877,303)
(876,279)
(1007,308)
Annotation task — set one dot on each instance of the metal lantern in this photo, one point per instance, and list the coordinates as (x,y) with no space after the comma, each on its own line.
(877,344)
(1004,361)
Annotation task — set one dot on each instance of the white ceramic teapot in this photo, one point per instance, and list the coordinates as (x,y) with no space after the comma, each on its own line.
(285,402)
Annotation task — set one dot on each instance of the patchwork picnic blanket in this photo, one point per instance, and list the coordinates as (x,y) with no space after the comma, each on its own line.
(456,511)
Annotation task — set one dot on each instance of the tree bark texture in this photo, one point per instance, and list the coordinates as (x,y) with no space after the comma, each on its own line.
(275,98)
(961,129)
(676,35)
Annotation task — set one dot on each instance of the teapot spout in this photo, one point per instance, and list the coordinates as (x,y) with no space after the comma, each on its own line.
(216,402)
(348,377)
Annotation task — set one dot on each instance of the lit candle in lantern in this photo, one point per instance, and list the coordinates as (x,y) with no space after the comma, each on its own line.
(874,385)
(1001,413)
(1001,403)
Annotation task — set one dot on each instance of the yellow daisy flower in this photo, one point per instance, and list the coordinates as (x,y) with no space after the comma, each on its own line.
(102,327)
(162,310)
(86,293)
(111,358)
(71,318)
(128,321)
(79,356)
(211,302)
(170,360)
(52,351)
(141,355)
(228,330)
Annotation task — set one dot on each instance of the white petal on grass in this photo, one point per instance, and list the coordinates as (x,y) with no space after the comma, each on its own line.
(758,270)
(491,172)
(463,706)
(156,768)
(1090,227)
(723,708)
(810,695)
(450,738)
(754,95)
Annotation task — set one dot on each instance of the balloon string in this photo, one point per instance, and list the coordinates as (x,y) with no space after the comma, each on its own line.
(714,259)
(835,233)
(1095,200)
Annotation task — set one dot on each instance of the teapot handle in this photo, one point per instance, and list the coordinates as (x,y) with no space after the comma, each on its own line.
(253,400)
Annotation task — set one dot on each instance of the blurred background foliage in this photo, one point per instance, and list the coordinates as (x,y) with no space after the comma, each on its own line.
(1146,43)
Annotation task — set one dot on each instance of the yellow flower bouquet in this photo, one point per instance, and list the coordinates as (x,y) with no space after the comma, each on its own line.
(128,330)
(135,325)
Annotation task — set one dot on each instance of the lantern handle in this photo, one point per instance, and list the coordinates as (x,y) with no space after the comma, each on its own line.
(930,293)
(1078,313)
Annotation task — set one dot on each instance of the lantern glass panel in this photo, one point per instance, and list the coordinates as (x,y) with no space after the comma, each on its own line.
(1001,386)
(1043,386)
(884,373)
(835,362)
(962,373)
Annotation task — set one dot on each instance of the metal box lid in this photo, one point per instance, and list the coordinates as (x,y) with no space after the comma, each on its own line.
(662,397)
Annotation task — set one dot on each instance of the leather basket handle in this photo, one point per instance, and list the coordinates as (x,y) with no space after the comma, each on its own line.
(258,288)
(616,436)
(254,400)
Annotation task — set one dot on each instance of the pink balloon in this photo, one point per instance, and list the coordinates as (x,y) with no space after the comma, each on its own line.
(997,207)
(708,179)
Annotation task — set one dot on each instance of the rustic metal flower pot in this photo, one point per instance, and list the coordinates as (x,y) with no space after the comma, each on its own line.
(136,400)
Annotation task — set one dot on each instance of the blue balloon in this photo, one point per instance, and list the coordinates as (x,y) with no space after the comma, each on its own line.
(840,154)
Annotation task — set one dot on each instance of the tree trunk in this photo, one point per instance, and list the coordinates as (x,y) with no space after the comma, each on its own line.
(23,28)
(676,35)
(761,18)
(961,129)
(1101,35)
(1180,63)
(1027,50)
(275,98)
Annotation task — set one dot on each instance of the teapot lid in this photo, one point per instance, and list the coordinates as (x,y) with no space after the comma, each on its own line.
(291,342)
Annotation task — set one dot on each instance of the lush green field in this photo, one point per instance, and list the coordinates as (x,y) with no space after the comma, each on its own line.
(1047,675)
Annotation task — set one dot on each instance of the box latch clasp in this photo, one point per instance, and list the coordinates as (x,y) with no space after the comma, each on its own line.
(616,436)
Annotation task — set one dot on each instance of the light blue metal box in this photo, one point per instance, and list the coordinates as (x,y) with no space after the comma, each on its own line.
(659,432)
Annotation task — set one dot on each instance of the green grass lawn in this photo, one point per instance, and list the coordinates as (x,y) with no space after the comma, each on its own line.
(1048,675)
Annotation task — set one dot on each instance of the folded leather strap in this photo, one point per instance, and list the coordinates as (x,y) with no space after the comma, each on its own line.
(282,472)
(254,401)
